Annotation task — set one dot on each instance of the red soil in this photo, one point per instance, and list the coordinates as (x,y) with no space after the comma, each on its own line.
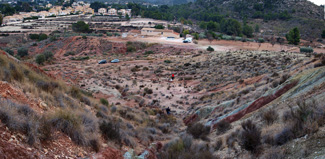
(259,103)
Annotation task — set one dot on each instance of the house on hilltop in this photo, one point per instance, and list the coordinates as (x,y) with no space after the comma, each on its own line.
(102,11)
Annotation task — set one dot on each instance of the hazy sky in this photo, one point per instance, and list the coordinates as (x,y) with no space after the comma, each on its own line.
(318,2)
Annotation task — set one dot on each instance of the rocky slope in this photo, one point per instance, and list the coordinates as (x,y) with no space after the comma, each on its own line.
(220,101)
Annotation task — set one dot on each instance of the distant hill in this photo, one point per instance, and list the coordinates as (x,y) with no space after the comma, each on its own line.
(278,15)
(275,17)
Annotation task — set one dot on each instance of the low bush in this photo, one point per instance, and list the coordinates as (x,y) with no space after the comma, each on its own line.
(42,37)
(48,55)
(34,36)
(23,119)
(75,92)
(226,37)
(284,78)
(198,130)
(148,52)
(260,40)
(69,53)
(307,49)
(148,90)
(110,131)
(85,100)
(167,61)
(270,116)
(113,109)
(15,72)
(223,126)
(250,137)
(135,69)
(273,153)
(47,86)
(232,138)
(9,51)
(22,52)
(131,49)
(104,101)
(176,149)
(40,59)
(80,127)
(218,145)
(284,136)
(210,49)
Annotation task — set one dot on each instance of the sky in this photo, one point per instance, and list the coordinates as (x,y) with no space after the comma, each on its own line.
(318,2)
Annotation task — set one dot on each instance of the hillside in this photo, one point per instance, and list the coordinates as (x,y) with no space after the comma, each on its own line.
(244,100)
(42,117)
(275,17)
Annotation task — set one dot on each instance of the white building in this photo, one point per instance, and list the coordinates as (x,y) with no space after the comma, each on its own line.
(112,12)
(102,11)
(125,12)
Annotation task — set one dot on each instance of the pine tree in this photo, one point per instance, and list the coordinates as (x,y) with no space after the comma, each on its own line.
(294,36)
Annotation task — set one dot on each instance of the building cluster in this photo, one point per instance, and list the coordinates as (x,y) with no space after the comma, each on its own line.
(76,8)
(114,12)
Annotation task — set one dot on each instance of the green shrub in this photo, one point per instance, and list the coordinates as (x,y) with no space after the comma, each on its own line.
(40,59)
(75,92)
(104,101)
(159,26)
(53,38)
(130,49)
(226,37)
(198,130)
(250,136)
(48,55)
(69,53)
(148,90)
(223,126)
(34,36)
(110,130)
(16,73)
(117,34)
(307,49)
(80,127)
(270,116)
(149,52)
(109,34)
(261,40)
(167,61)
(84,37)
(42,37)
(238,38)
(80,26)
(9,51)
(293,36)
(22,52)
(47,86)
(210,49)
(20,118)
(135,69)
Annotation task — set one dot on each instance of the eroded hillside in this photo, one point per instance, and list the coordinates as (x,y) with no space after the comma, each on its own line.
(224,104)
